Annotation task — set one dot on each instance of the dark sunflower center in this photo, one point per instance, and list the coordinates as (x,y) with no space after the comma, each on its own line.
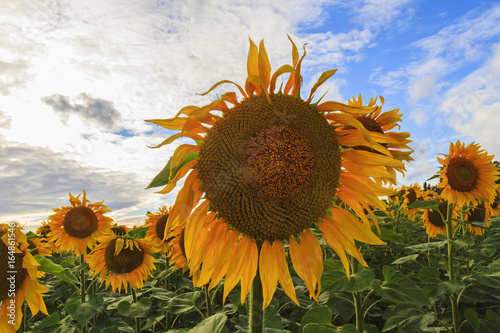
(32,246)
(160,226)
(44,231)
(124,262)
(181,243)
(371,125)
(435,218)
(80,222)
(411,195)
(12,273)
(462,174)
(280,159)
(477,214)
(270,170)
(119,230)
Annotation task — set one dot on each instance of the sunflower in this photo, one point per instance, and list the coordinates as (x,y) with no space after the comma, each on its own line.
(119,230)
(494,201)
(128,262)
(467,174)
(411,194)
(18,278)
(43,236)
(479,213)
(156,231)
(76,227)
(383,140)
(433,219)
(267,170)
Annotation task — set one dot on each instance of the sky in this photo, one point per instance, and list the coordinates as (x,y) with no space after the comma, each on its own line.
(78,79)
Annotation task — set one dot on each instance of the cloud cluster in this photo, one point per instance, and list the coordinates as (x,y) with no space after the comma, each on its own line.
(96,110)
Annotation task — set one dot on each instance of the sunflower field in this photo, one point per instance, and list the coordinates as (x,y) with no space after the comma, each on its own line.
(289,219)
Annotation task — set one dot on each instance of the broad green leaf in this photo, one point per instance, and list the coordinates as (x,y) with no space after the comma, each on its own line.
(134,310)
(401,293)
(212,324)
(490,323)
(428,204)
(183,303)
(429,275)
(272,318)
(164,176)
(138,232)
(321,315)
(402,260)
(47,266)
(83,312)
(490,280)
(337,281)
(408,318)
(424,247)
(388,235)
(48,322)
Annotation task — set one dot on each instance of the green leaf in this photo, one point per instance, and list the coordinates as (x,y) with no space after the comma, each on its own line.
(337,281)
(213,324)
(134,310)
(137,233)
(164,176)
(321,315)
(428,204)
(424,247)
(83,312)
(433,177)
(318,328)
(272,318)
(47,266)
(402,294)
(402,260)
(490,323)
(429,275)
(408,318)
(183,303)
(388,235)
(48,322)
(490,280)
(463,242)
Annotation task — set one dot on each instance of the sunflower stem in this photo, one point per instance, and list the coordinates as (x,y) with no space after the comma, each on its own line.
(208,301)
(451,271)
(82,289)
(23,323)
(137,319)
(358,302)
(168,316)
(256,320)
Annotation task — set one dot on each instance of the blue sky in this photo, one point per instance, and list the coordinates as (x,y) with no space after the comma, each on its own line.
(77,81)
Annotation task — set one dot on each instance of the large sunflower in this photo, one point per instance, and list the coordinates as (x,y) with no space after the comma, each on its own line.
(270,168)
(467,174)
(128,262)
(18,278)
(76,227)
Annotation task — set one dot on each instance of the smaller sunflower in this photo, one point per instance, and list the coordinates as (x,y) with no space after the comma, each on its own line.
(467,174)
(77,227)
(156,232)
(382,141)
(433,219)
(479,213)
(119,230)
(177,253)
(18,278)
(43,233)
(411,194)
(128,262)
(495,201)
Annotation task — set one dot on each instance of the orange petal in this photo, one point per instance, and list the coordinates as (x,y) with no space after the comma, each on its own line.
(268,271)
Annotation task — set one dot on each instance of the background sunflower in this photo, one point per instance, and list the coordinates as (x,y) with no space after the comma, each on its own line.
(76,227)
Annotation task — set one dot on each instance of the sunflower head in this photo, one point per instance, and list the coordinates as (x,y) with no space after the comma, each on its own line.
(479,213)
(434,219)
(76,227)
(156,223)
(18,273)
(266,171)
(122,261)
(119,230)
(467,176)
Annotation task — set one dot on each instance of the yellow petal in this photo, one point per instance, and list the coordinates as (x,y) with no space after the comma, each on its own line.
(331,239)
(331,106)
(357,229)
(322,79)
(264,65)
(284,274)
(118,245)
(268,271)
